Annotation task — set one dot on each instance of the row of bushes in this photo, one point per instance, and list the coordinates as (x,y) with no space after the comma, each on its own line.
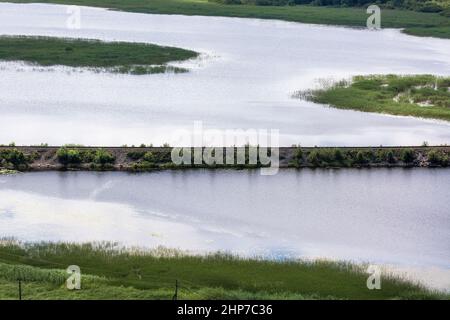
(317,157)
(417,5)
(339,157)
(71,156)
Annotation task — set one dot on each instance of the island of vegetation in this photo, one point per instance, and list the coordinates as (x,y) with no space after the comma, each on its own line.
(109,272)
(423,96)
(417,17)
(119,57)
(148,158)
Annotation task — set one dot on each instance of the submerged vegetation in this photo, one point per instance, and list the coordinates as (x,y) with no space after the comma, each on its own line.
(109,272)
(429,22)
(423,96)
(118,57)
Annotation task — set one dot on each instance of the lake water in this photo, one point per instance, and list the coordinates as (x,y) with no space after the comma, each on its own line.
(244,79)
(395,217)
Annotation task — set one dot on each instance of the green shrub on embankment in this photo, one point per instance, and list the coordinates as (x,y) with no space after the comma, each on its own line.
(69,156)
(438,158)
(432,24)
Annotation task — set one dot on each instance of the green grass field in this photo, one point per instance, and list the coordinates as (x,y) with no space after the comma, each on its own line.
(121,57)
(109,273)
(416,23)
(423,96)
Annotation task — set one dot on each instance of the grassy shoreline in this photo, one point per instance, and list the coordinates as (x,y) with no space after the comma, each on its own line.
(422,96)
(108,273)
(415,23)
(145,158)
(117,57)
